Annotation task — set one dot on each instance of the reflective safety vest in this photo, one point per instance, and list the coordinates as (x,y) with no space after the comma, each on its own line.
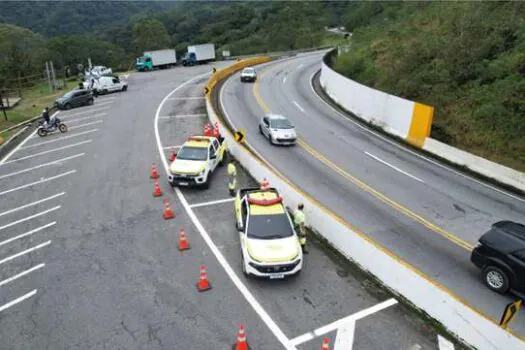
(298,217)
(232,170)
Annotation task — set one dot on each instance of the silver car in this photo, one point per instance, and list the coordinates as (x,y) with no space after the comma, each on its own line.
(278,129)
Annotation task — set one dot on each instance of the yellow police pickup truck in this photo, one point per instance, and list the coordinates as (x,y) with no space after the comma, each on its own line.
(269,244)
(196,160)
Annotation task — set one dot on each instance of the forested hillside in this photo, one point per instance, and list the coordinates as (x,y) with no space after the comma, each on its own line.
(465,58)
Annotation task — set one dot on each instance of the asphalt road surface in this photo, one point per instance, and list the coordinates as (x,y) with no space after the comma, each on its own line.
(428,215)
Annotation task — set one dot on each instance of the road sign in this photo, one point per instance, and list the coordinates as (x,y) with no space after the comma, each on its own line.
(206,90)
(510,311)
(240,136)
(214,69)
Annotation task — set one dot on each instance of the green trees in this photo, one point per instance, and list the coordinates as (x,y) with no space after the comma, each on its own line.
(149,34)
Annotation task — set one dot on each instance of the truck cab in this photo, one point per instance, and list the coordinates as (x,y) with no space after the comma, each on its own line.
(144,63)
(190,59)
(196,161)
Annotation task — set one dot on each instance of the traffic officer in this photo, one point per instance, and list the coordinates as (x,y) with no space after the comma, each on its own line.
(232,178)
(299,222)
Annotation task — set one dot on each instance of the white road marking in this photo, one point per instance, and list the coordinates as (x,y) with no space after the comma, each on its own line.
(172,147)
(179,116)
(444,344)
(39,182)
(18,300)
(343,321)
(31,204)
(38,229)
(27,251)
(86,118)
(227,200)
(274,328)
(4,160)
(299,66)
(394,167)
(394,143)
(95,110)
(37,144)
(21,274)
(58,161)
(83,125)
(103,103)
(187,98)
(344,339)
(29,217)
(298,106)
(284,79)
(49,151)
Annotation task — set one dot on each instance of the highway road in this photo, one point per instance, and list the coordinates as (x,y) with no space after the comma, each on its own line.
(425,213)
(88,262)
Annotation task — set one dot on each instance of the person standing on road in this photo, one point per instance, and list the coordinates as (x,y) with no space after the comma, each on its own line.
(299,220)
(232,178)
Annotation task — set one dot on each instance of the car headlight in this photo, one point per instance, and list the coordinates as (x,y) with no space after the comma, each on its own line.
(201,173)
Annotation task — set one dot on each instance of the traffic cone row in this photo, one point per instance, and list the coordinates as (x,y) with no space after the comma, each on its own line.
(183,242)
(203,284)
(154,172)
(156,190)
(168,213)
(173,155)
(241,343)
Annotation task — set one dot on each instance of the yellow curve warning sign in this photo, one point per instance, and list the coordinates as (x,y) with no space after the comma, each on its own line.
(240,136)
(510,311)
(206,90)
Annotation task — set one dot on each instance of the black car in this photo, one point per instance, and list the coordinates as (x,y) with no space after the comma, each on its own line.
(75,98)
(500,253)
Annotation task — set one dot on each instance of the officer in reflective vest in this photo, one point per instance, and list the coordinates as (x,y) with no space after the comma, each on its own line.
(299,222)
(232,178)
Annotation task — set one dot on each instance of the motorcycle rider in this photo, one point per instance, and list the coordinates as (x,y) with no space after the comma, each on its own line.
(45,115)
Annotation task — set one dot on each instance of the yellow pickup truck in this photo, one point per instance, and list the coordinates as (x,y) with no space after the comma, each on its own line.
(196,160)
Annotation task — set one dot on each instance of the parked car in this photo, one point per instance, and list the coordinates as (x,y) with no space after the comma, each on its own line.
(278,129)
(500,254)
(75,98)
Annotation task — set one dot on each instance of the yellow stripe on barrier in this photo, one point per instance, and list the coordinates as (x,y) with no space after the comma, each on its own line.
(420,126)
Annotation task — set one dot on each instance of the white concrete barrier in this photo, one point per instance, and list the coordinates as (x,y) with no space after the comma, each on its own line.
(442,305)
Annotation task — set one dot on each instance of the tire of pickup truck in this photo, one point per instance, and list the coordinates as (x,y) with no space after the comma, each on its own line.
(206,185)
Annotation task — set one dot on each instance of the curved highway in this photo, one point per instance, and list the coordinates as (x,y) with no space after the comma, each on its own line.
(428,215)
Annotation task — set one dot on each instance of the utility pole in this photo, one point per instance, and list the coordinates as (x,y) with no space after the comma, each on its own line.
(19,85)
(53,75)
(48,77)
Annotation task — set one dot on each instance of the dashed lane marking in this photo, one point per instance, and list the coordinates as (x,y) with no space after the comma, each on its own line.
(394,167)
(32,203)
(84,125)
(85,118)
(21,274)
(49,151)
(18,300)
(60,138)
(58,161)
(27,251)
(38,229)
(220,201)
(299,106)
(266,318)
(29,218)
(95,110)
(39,182)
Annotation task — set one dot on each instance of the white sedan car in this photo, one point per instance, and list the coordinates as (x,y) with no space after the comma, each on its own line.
(278,129)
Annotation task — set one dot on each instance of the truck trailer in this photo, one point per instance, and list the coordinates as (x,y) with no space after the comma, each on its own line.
(198,54)
(156,59)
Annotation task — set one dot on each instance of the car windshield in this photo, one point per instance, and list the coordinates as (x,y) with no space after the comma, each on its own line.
(249,70)
(269,226)
(280,124)
(193,153)
(141,59)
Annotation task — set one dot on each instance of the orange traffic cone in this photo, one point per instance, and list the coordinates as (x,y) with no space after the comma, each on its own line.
(207,130)
(241,344)
(265,185)
(156,191)
(173,155)
(168,213)
(203,284)
(183,242)
(154,172)
(326,342)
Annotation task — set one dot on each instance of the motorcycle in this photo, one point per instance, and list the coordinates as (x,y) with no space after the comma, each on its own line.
(53,125)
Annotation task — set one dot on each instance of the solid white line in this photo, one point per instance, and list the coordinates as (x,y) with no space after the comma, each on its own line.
(38,229)
(212,202)
(37,144)
(95,110)
(86,118)
(103,103)
(172,147)
(298,106)
(284,79)
(33,203)
(183,116)
(49,151)
(394,143)
(186,98)
(444,344)
(274,328)
(394,167)
(29,217)
(343,321)
(83,125)
(39,182)
(21,274)
(58,161)
(18,300)
(9,258)
(344,339)
(4,160)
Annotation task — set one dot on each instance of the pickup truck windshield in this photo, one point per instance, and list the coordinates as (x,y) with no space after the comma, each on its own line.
(273,226)
(193,153)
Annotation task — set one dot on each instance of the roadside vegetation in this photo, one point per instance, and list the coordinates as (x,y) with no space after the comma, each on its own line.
(465,58)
